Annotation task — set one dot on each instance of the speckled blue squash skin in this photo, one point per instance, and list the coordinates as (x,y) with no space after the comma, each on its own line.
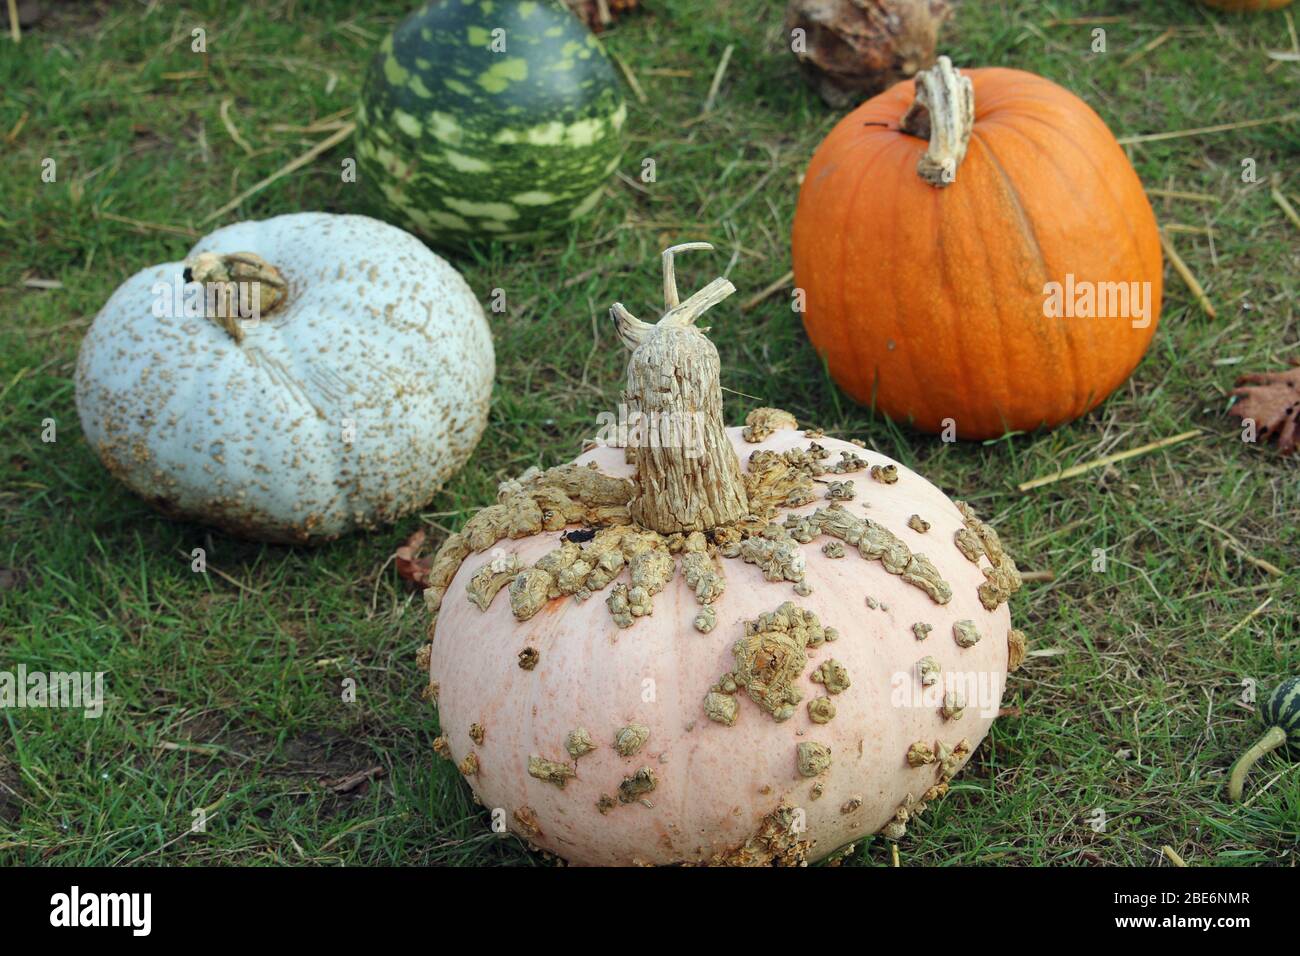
(457,141)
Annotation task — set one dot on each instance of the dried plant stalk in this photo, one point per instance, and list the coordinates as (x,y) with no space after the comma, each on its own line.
(688,478)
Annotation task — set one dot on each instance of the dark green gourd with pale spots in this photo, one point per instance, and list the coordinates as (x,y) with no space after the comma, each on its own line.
(1280,713)
(484,119)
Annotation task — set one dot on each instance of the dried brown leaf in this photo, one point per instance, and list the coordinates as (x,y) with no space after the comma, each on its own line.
(351,781)
(410,566)
(1272,401)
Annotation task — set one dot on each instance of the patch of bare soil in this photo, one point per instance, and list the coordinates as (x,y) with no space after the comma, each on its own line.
(11,789)
(337,762)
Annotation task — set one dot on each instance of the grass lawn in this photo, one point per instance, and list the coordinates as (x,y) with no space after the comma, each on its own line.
(226,688)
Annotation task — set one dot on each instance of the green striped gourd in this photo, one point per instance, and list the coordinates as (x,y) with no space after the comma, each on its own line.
(488,119)
(1280,713)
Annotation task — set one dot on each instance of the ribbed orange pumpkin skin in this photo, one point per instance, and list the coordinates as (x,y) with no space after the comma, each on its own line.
(928,303)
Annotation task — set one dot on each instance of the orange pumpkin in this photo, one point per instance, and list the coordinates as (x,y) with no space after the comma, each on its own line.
(1005,276)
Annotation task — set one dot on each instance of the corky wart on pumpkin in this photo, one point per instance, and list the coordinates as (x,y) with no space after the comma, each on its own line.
(730,536)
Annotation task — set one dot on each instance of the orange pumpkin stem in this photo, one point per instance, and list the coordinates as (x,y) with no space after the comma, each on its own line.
(687,474)
(237,286)
(944,113)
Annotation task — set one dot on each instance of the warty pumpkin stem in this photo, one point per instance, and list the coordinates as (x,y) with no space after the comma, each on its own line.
(687,473)
(1275,737)
(944,113)
(237,286)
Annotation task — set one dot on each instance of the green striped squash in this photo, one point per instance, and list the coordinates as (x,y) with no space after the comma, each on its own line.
(489,119)
(1280,714)
(1282,709)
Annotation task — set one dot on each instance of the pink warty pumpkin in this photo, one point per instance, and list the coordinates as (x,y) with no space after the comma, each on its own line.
(699,661)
